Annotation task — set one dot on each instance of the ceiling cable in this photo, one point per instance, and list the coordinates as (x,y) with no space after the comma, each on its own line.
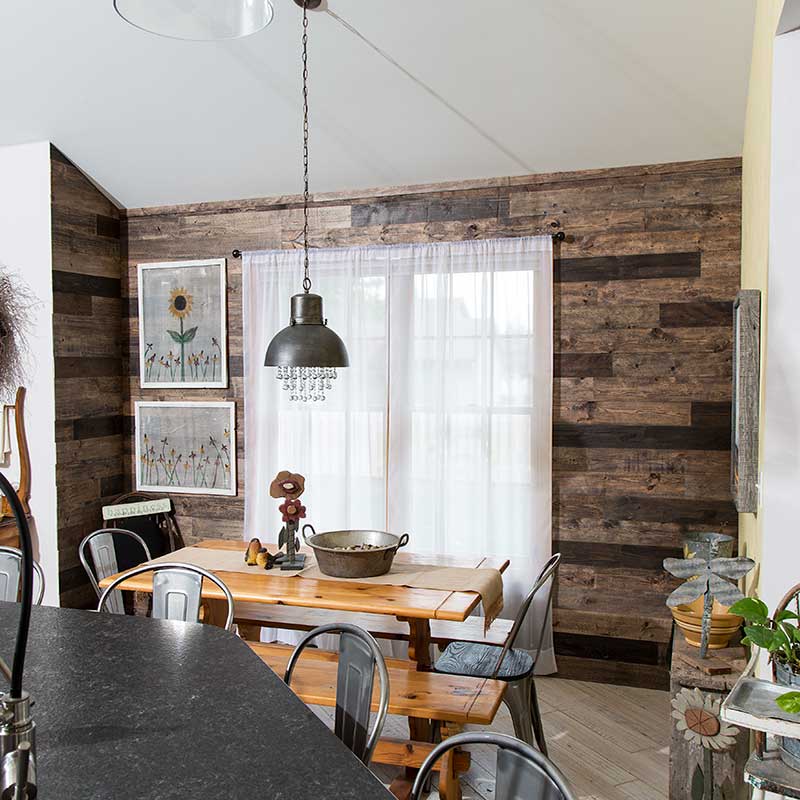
(432,92)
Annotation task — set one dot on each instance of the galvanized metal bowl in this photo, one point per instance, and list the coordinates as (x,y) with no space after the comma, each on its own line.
(337,562)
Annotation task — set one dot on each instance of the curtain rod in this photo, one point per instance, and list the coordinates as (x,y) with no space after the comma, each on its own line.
(557,237)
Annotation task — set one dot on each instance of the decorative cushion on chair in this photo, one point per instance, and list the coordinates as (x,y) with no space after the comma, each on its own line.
(480,660)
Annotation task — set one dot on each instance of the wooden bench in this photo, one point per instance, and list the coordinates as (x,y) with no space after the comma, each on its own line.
(380,626)
(446,698)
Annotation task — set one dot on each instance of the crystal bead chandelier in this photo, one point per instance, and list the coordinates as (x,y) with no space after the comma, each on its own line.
(307,352)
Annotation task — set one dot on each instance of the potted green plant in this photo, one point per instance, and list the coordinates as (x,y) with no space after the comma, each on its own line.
(780,637)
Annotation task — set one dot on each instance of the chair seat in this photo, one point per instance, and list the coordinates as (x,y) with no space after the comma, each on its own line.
(480,660)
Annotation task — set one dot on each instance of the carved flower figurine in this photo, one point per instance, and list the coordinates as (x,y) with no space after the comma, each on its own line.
(698,717)
(288,485)
(292,510)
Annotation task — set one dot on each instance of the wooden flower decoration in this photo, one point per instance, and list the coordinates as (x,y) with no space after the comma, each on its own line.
(287,484)
(292,510)
(709,579)
(697,715)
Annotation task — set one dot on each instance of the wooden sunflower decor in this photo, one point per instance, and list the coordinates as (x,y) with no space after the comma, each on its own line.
(16,302)
(710,579)
(697,716)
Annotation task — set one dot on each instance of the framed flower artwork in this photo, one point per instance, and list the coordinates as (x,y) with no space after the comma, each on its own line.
(186,447)
(182,325)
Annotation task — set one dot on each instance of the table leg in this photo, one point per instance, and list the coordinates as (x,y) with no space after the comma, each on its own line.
(419,650)
(214,612)
(249,632)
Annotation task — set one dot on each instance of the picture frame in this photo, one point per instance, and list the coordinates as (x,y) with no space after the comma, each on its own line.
(183,324)
(745,399)
(186,447)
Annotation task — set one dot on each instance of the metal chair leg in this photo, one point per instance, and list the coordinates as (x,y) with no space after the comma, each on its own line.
(518,700)
(536,716)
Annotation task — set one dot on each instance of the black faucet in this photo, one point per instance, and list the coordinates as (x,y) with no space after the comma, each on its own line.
(17,729)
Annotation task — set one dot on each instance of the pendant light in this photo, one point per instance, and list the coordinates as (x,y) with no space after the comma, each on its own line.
(197,20)
(307,352)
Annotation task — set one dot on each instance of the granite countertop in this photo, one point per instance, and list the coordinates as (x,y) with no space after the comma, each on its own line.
(130,708)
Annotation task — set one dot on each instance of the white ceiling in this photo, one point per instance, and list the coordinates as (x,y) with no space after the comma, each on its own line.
(513,86)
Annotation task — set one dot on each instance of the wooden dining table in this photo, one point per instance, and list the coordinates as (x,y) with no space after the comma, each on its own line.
(412,606)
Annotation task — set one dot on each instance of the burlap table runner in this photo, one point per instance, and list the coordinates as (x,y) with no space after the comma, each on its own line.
(488,583)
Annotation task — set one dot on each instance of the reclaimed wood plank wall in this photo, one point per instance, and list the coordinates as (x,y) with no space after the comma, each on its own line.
(87,334)
(643,292)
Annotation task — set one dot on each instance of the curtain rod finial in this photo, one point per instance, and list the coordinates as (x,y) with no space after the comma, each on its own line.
(237,253)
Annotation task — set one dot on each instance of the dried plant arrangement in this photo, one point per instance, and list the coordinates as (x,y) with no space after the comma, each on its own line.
(16,302)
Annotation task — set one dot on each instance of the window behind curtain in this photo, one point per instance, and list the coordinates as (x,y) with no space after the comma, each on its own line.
(442,425)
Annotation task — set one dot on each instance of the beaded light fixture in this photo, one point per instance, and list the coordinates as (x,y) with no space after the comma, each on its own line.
(307,352)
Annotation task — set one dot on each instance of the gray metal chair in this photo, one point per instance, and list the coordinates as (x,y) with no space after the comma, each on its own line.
(10,564)
(474,659)
(102,547)
(523,773)
(359,657)
(177,591)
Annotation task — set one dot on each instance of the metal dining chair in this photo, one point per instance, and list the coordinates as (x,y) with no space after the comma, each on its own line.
(102,547)
(515,667)
(522,773)
(177,591)
(359,657)
(10,565)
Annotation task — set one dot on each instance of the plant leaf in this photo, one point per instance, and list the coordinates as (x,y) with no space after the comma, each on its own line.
(762,637)
(176,337)
(698,783)
(189,335)
(751,608)
(789,702)
(785,614)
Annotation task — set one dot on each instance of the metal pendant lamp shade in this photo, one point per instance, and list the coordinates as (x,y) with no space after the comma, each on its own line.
(307,352)
(197,20)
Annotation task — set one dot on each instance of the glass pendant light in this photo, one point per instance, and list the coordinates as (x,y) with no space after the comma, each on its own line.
(307,352)
(197,20)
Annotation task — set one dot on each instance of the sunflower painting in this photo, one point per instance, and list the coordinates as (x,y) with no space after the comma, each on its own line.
(182,324)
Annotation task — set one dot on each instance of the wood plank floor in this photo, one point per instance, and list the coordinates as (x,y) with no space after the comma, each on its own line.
(612,742)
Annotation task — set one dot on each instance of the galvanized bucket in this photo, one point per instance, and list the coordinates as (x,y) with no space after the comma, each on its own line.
(337,562)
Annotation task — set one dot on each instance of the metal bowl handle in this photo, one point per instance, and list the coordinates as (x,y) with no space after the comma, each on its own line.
(401,542)
(313,532)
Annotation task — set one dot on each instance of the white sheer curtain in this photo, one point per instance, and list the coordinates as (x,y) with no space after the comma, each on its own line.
(441,426)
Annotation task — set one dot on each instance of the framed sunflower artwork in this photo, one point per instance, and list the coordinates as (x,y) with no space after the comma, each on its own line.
(186,447)
(182,325)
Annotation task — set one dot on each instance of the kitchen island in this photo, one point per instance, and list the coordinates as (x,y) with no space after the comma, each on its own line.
(130,708)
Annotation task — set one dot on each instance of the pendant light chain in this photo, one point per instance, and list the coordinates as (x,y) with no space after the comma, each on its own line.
(306,279)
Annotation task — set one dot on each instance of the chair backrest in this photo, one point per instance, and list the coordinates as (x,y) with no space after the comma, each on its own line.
(160,529)
(10,568)
(547,577)
(359,657)
(523,773)
(102,546)
(177,591)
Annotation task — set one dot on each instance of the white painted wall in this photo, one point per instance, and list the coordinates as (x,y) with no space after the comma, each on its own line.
(25,247)
(781,476)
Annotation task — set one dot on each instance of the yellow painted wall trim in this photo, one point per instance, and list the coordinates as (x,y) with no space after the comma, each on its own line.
(755,213)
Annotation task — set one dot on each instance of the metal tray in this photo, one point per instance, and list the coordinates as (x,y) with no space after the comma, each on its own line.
(751,703)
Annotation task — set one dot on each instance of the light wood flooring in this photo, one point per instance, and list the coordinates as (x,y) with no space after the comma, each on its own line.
(612,742)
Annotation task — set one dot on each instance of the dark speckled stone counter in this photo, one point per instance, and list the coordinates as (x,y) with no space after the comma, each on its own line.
(129,708)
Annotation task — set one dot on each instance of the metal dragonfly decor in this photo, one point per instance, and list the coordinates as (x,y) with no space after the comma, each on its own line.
(709,578)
